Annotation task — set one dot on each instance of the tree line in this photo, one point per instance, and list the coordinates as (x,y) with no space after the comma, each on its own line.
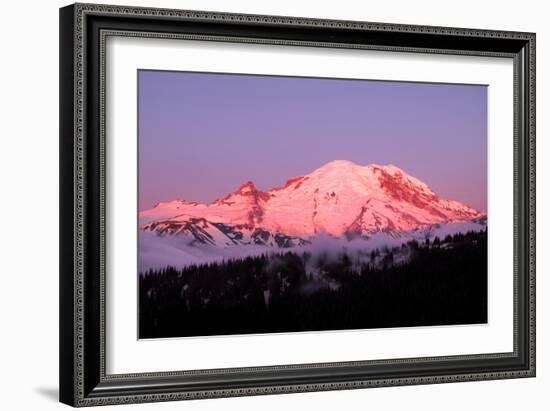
(443,281)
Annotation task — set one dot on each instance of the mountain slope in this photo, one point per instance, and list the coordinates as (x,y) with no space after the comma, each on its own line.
(340,198)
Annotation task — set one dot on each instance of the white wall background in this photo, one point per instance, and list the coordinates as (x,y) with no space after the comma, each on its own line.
(29,204)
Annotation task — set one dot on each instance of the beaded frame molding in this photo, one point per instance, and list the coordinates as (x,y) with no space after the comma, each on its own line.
(83,32)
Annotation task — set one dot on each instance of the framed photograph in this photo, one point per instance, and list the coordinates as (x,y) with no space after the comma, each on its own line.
(261,204)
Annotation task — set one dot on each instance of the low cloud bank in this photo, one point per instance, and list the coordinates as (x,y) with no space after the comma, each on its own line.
(157,252)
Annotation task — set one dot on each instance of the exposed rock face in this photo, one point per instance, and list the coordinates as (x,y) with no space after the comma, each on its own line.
(340,199)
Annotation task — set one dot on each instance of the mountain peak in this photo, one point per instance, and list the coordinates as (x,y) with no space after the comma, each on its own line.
(349,166)
(247,187)
(388,168)
(339,164)
(338,197)
(249,191)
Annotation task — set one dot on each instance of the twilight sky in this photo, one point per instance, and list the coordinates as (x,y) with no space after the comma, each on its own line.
(203,135)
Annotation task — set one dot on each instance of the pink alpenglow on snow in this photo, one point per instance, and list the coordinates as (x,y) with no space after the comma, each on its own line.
(339,198)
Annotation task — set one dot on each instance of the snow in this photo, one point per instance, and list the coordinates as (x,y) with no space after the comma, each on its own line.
(377,201)
(160,251)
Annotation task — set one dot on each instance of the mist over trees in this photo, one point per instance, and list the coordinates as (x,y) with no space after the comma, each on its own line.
(432,282)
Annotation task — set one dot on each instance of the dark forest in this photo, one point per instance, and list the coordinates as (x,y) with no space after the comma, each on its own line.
(441,282)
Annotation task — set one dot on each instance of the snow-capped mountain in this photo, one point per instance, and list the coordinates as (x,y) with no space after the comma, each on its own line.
(201,231)
(339,199)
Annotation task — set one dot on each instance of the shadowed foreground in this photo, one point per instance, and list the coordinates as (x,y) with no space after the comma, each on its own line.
(439,283)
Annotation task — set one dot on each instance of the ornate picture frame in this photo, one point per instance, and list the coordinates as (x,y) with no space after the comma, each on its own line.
(84,30)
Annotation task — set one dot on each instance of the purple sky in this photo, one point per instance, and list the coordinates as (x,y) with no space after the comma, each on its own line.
(202,135)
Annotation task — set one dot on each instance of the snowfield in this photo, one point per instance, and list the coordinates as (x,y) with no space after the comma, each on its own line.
(339,206)
(158,251)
